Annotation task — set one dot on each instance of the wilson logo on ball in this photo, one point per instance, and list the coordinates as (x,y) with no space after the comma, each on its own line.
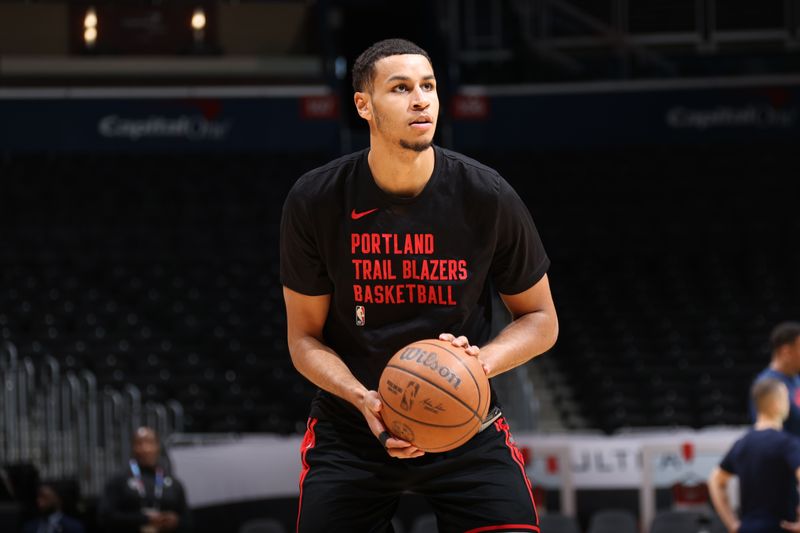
(430,360)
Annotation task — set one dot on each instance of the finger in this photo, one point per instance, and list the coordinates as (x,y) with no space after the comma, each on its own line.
(395,443)
(473,350)
(375,405)
(447,337)
(461,342)
(406,453)
(376,426)
(416,454)
(373,401)
(383,437)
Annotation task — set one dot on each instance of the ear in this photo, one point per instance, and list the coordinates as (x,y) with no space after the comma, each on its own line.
(363,107)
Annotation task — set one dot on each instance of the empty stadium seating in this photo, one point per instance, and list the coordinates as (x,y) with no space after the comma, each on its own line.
(669,268)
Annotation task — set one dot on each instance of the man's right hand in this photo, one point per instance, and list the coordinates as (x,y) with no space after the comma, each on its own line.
(400,449)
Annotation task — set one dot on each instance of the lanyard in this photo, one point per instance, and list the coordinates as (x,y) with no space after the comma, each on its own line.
(158,490)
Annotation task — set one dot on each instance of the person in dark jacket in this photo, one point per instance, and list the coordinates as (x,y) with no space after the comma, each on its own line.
(144,498)
(51,519)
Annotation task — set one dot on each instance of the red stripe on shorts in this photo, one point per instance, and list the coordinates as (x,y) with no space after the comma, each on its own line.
(309,441)
(516,455)
(505,527)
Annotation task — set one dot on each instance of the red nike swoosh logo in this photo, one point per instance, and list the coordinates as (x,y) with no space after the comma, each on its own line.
(355,216)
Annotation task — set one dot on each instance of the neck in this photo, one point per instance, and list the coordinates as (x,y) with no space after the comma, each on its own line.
(146,466)
(398,170)
(781,366)
(765,421)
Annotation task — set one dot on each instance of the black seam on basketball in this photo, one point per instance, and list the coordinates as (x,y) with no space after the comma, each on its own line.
(459,400)
(454,354)
(465,437)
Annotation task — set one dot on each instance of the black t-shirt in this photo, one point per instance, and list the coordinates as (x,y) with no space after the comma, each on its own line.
(765,462)
(404,269)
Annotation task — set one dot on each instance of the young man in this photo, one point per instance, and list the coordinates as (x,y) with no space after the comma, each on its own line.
(396,243)
(767,462)
(785,367)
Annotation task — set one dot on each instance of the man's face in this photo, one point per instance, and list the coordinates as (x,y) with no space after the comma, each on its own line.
(47,500)
(782,402)
(146,448)
(403,104)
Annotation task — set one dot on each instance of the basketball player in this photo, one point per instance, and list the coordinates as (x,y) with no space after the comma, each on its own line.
(785,367)
(400,242)
(767,462)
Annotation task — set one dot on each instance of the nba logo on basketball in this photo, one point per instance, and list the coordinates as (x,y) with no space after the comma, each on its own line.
(408,396)
(361,315)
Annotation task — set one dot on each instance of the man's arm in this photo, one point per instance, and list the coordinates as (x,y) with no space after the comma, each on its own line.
(305,318)
(111,517)
(533,331)
(717,489)
(793,526)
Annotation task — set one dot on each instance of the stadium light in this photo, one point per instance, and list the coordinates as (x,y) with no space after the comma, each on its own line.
(198,19)
(90,36)
(90,28)
(90,20)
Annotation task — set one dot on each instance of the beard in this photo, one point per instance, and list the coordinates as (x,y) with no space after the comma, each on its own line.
(414,146)
(419,146)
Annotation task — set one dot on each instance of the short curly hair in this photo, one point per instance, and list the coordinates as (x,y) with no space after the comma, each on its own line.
(364,67)
(783,334)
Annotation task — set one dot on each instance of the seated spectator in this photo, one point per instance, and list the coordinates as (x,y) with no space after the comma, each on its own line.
(51,519)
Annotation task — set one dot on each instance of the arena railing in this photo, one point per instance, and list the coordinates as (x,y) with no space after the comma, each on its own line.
(61,423)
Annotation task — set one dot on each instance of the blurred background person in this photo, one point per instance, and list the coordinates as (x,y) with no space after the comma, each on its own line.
(785,367)
(767,462)
(145,498)
(51,519)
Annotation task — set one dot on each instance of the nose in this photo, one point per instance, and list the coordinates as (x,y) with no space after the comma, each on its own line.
(419,99)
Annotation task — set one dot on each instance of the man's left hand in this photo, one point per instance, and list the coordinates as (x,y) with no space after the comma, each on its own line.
(463,342)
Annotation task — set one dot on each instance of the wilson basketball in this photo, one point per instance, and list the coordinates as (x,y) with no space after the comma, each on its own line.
(434,395)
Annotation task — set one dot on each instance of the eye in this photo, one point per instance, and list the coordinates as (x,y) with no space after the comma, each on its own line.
(400,89)
(428,86)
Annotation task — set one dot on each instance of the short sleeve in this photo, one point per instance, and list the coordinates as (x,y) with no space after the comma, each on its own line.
(728,462)
(302,267)
(520,260)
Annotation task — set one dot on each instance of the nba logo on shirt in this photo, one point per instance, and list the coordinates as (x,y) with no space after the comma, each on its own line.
(361,316)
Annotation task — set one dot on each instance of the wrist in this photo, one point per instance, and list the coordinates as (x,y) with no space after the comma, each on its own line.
(357,395)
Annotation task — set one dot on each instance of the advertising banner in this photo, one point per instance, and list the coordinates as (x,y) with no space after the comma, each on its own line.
(303,124)
(520,118)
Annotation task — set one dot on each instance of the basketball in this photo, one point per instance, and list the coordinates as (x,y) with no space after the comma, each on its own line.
(434,395)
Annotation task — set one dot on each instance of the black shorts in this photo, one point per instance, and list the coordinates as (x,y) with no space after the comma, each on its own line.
(350,484)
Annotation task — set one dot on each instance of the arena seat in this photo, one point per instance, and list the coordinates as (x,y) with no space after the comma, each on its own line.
(613,521)
(677,522)
(262,525)
(669,267)
(558,523)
